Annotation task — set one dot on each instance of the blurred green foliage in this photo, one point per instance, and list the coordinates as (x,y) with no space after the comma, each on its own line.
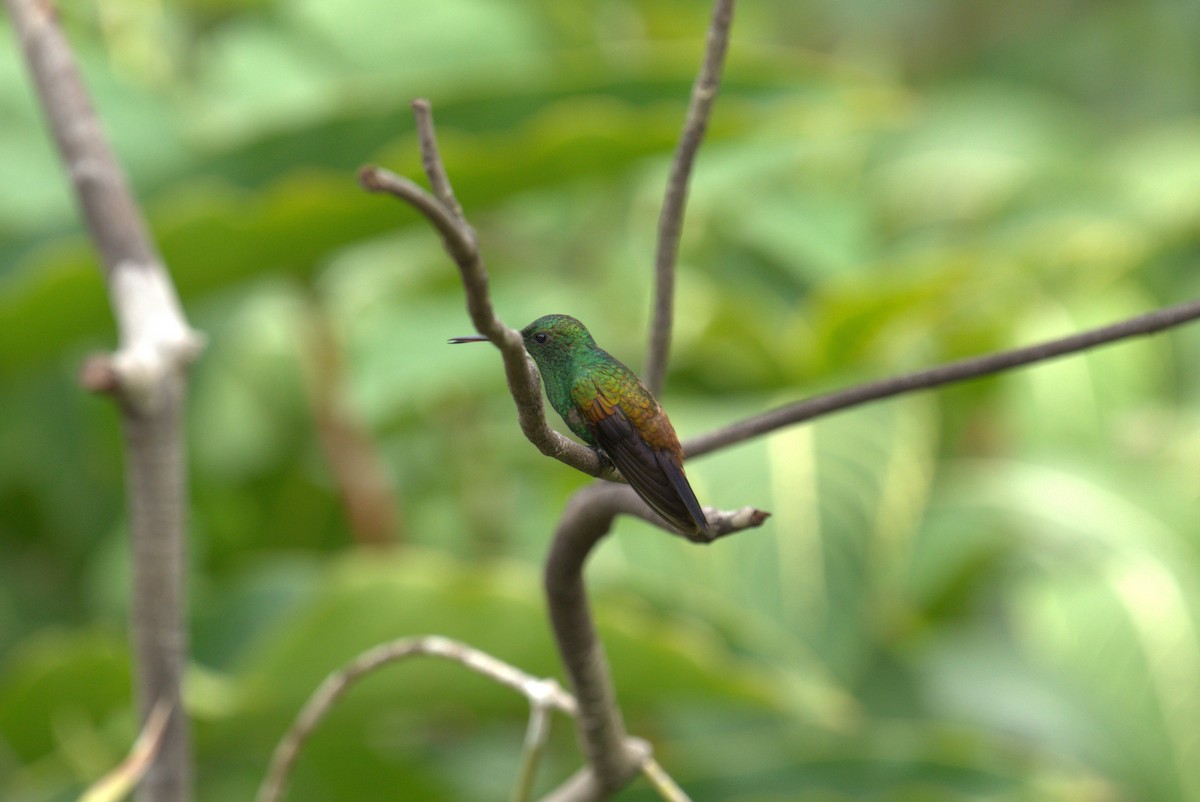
(988,592)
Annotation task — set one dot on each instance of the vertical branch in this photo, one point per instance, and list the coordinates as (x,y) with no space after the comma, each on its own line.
(146,374)
(535,745)
(155,485)
(670,220)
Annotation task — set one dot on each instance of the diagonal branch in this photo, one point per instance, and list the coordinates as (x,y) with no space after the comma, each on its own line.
(963,369)
(535,745)
(117,784)
(670,221)
(146,374)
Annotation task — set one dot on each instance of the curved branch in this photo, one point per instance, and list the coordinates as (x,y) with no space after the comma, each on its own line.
(536,733)
(613,759)
(459,240)
(545,693)
(670,220)
(948,373)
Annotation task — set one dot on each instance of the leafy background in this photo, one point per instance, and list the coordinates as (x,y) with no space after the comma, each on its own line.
(987,592)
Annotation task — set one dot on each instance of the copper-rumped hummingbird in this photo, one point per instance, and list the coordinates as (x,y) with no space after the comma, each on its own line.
(606,404)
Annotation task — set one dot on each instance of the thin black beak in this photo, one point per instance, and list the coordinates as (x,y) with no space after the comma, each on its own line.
(474,338)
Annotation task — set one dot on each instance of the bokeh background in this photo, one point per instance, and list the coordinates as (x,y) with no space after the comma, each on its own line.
(988,592)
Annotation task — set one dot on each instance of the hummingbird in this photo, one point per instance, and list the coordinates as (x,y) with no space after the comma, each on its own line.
(608,407)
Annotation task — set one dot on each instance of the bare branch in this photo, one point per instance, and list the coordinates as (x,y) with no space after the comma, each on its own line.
(458,240)
(117,784)
(155,338)
(666,786)
(545,693)
(535,745)
(583,786)
(588,517)
(146,374)
(431,159)
(587,785)
(670,221)
(623,501)
(523,381)
(613,757)
(949,373)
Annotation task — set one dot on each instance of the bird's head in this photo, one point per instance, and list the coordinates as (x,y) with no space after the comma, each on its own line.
(552,340)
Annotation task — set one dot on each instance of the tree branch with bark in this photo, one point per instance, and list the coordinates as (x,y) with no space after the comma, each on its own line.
(146,375)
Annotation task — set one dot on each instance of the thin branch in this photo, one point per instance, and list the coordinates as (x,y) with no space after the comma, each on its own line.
(117,784)
(621,500)
(523,381)
(666,786)
(431,159)
(458,241)
(545,693)
(670,221)
(975,367)
(147,375)
(535,746)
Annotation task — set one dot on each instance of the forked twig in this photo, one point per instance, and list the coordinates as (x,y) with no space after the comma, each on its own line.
(544,695)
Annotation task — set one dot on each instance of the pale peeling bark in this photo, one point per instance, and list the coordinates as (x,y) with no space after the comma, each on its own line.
(146,374)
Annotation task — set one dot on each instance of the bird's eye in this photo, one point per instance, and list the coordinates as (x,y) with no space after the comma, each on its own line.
(540,336)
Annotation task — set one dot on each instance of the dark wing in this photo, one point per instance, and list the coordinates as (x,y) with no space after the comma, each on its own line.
(654,473)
